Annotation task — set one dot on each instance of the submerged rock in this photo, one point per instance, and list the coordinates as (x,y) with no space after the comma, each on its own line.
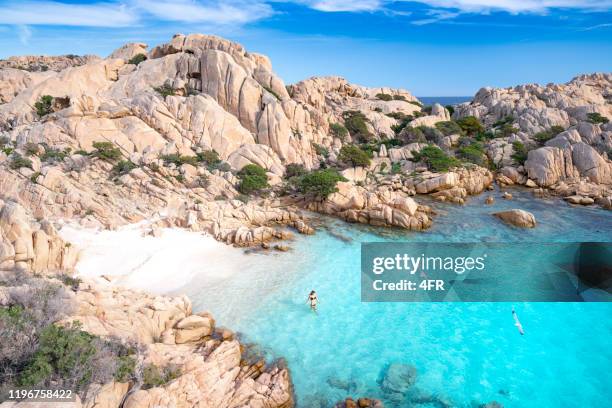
(518,218)
(397,379)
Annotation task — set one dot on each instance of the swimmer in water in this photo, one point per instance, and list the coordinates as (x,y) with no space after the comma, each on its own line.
(313,300)
(517,323)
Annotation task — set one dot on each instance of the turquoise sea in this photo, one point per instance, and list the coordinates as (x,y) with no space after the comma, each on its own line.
(465,354)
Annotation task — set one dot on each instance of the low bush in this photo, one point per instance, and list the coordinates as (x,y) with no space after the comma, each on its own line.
(34,176)
(165,90)
(356,124)
(417,103)
(474,153)
(209,157)
(179,160)
(396,168)
(449,127)
(54,155)
(124,167)
(597,118)
(18,161)
(253,179)
(384,97)
(352,154)
(450,109)
(435,159)
(294,170)
(338,130)
(137,59)
(506,120)
(470,125)
(321,150)
(545,136)
(506,130)
(106,151)
(520,153)
(320,183)
(44,105)
(153,376)
(399,98)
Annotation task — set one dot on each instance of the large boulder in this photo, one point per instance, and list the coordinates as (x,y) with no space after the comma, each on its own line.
(518,218)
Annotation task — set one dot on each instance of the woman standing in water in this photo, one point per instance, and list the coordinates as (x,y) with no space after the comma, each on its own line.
(313,300)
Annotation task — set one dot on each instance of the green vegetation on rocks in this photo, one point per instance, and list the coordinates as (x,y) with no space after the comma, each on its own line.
(106,151)
(354,155)
(153,376)
(520,153)
(338,130)
(356,124)
(470,125)
(545,136)
(44,105)
(137,59)
(384,97)
(320,183)
(597,118)
(435,159)
(473,152)
(449,128)
(18,161)
(179,160)
(253,179)
(124,167)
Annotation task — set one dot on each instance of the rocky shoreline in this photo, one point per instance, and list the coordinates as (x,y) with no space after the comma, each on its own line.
(201,134)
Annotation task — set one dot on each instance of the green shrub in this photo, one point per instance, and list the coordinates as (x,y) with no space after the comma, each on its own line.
(321,150)
(545,136)
(338,130)
(473,153)
(53,155)
(70,281)
(44,105)
(165,90)
(106,151)
(470,125)
(506,130)
(137,59)
(384,97)
(320,183)
(399,98)
(124,167)
(396,168)
(435,159)
(34,176)
(153,376)
(596,118)
(427,109)
(209,157)
(179,160)
(396,115)
(449,128)
(520,153)
(417,103)
(506,120)
(18,162)
(404,121)
(450,109)
(354,155)
(267,88)
(253,178)
(431,134)
(294,170)
(356,124)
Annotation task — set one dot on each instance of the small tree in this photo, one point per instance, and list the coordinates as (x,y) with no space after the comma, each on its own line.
(596,118)
(435,159)
(470,125)
(253,178)
(354,155)
(356,123)
(137,59)
(209,157)
(124,167)
(520,153)
(44,106)
(294,170)
(320,183)
(338,130)
(106,151)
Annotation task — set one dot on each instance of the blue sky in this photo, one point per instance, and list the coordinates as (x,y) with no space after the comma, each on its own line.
(430,47)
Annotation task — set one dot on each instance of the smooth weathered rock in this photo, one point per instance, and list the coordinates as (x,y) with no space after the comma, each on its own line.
(518,218)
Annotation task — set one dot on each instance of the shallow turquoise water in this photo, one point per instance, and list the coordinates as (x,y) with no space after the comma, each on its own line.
(464,353)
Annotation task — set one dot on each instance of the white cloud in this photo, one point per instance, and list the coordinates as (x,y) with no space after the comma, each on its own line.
(518,6)
(25,33)
(344,5)
(54,13)
(206,11)
(436,15)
